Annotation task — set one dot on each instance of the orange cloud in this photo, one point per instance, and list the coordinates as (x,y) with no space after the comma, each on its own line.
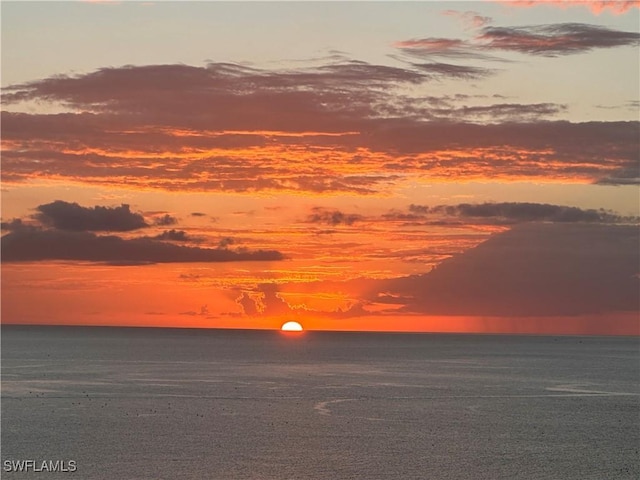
(337,128)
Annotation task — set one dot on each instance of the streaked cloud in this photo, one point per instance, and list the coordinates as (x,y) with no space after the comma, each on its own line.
(347,128)
(175,236)
(469,18)
(616,7)
(454,71)
(39,245)
(554,40)
(452,48)
(550,40)
(332,217)
(517,212)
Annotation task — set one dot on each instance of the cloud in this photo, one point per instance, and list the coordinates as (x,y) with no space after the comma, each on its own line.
(269,300)
(165,220)
(332,217)
(71,216)
(616,7)
(549,40)
(454,71)
(506,111)
(469,18)
(518,212)
(555,40)
(347,128)
(241,93)
(174,235)
(40,245)
(535,273)
(442,47)
(540,149)
(225,242)
(17,225)
(203,312)
(532,270)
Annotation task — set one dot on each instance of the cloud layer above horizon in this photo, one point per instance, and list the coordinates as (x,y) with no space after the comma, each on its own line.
(343,126)
(64,231)
(357,166)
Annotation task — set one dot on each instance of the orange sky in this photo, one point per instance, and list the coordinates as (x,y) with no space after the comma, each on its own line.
(458,171)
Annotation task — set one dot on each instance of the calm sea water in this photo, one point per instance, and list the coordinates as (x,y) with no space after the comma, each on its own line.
(214,404)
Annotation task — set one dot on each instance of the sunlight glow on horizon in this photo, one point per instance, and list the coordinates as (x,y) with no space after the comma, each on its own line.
(371,166)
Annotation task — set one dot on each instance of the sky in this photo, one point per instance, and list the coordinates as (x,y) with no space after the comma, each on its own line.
(369,166)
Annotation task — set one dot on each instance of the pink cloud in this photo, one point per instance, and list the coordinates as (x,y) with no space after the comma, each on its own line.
(469,19)
(616,7)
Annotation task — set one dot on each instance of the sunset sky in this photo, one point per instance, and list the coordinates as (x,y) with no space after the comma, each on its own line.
(419,166)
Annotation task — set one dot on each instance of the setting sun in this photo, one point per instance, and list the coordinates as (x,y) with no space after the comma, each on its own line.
(291,327)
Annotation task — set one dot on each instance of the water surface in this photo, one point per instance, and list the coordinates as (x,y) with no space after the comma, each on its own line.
(128,403)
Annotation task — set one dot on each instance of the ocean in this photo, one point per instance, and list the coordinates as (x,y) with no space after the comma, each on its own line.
(134,403)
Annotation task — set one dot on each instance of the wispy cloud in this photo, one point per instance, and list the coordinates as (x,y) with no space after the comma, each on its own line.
(332,217)
(454,71)
(493,213)
(453,48)
(616,7)
(174,236)
(38,245)
(549,40)
(518,212)
(469,18)
(350,128)
(555,40)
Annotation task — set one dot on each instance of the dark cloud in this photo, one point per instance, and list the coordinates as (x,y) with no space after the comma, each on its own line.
(418,209)
(73,217)
(174,235)
(505,111)
(203,312)
(332,217)
(17,225)
(225,242)
(546,40)
(518,212)
(536,149)
(531,270)
(40,245)
(339,128)
(241,95)
(198,214)
(165,220)
(555,40)
(487,213)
